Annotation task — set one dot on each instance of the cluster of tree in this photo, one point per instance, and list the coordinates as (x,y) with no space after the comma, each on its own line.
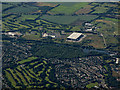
(52,50)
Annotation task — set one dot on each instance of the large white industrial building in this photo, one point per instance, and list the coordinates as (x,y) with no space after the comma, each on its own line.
(75,36)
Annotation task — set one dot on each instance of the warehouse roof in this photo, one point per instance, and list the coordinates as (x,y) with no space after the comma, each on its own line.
(74,35)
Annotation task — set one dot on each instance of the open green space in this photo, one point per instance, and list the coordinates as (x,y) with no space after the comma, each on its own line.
(92,85)
(27,60)
(27,17)
(4,6)
(9,77)
(68,19)
(32,37)
(12,3)
(105,67)
(67,4)
(22,9)
(66,9)
(110,19)
(100,10)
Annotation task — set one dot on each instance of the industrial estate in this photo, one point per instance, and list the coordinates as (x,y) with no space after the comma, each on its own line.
(60,45)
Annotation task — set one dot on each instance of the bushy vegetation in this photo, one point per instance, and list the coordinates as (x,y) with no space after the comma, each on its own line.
(51,50)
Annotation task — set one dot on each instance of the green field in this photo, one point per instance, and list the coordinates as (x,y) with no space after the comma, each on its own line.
(22,9)
(27,60)
(92,85)
(68,19)
(110,19)
(100,10)
(67,4)
(12,3)
(4,6)
(27,17)
(64,8)
(32,36)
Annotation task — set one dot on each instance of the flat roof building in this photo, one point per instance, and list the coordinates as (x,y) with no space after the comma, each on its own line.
(75,36)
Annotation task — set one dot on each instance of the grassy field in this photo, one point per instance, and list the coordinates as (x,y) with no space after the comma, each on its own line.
(94,40)
(26,17)
(84,10)
(100,10)
(22,9)
(12,3)
(67,4)
(68,19)
(45,4)
(110,19)
(4,6)
(92,85)
(64,8)
(32,36)
(109,28)
(27,60)
(13,83)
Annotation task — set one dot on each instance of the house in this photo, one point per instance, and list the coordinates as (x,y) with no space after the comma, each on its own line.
(75,36)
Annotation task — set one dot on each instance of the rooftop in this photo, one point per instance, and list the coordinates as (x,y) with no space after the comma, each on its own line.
(74,35)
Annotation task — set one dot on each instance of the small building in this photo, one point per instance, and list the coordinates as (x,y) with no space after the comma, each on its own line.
(75,36)
(11,33)
(53,36)
(14,34)
(50,35)
(117,60)
(88,24)
(89,29)
(45,35)
(63,32)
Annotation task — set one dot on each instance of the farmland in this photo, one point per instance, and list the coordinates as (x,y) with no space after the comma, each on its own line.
(100,10)
(65,9)
(27,9)
(45,4)
(27,17)
(6,6)
(84,10)
(68,19)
